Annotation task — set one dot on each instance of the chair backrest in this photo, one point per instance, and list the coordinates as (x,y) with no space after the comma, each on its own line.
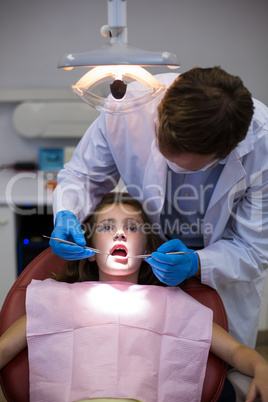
(14,377)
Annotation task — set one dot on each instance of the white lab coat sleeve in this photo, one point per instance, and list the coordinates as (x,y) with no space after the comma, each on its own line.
(89,175)
(236,265)
(242,253)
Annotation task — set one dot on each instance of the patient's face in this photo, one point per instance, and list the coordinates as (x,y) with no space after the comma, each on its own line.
(119,231)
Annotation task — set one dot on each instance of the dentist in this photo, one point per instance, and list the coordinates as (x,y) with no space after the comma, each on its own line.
(196,157)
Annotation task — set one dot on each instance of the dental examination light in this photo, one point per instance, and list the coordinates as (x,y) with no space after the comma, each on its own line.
(114,66)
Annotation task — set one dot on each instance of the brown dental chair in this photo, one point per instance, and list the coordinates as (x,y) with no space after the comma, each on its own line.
(14,377)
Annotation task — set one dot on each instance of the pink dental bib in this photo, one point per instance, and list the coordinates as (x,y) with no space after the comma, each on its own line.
(115,340)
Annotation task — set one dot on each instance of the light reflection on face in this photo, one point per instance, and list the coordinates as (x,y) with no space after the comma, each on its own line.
(119,232)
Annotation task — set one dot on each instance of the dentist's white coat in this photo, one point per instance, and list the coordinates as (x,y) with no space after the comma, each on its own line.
(236,250)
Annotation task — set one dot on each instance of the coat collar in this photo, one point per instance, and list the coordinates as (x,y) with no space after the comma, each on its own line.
(233,170)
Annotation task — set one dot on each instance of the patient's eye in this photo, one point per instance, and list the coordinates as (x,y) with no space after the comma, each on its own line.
(132,228)
(105,227)
(133,225)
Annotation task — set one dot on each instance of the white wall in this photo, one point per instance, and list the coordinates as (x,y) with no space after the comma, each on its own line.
(35,33)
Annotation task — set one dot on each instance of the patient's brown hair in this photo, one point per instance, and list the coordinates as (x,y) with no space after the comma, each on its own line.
(205,111)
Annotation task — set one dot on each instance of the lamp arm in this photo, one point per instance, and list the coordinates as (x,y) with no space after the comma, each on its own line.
(117,20)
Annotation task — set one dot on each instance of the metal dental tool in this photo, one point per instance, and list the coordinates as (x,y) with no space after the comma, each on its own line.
(95,250)
(174,252)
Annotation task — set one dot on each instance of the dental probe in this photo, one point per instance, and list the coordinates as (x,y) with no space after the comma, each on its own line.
(95,250)
(173,252)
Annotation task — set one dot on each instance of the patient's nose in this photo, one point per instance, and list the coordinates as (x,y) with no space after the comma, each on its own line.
(120,235)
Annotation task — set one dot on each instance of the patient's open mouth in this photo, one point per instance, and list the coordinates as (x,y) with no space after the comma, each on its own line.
(119,250)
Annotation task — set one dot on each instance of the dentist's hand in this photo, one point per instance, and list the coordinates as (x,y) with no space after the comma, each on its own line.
(173,269)
(68,228)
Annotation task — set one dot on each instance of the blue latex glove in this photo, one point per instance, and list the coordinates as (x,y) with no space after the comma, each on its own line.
(68,228)
(173,269)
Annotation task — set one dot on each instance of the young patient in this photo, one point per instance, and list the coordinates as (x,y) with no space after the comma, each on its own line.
(120,228)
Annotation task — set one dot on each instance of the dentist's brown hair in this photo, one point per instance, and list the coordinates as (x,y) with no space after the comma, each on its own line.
(205,111)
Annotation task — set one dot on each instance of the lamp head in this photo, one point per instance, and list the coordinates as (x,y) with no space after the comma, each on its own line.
(117,60)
